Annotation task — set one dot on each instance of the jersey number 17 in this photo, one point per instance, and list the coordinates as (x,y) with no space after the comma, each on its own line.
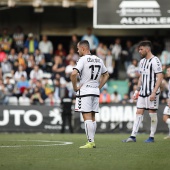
(95,68)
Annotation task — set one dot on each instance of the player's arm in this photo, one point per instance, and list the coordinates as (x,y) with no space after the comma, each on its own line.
(73,78)
(159,77)
(139,83)
(104,77)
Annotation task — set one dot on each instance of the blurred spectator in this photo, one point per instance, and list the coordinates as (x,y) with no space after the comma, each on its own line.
(12,55)
(131,93)
(133,70)
(21,60)
(36,74)
(48,86)
(60,51)
(18,38)
(165,58)
(57,89)
(46,48)
(69,69)
(125,99)
(58,67)
(31,43)
(19,73)
(30,64)
(41,89)
(164,70)
(9,87)
(101,51)
(74,41)
(15,66)
(104,97)
(110,64)
(127,54)
(5,41)
(2,54)
(116,50)
(164,90)
(22,84)
(25,54)
(6,66)
(135,54)
(133,82)
(115,97)
(50,100)
(92,39)
(2,93)
(62,84)
(71,56)
(36,97)
(40,60)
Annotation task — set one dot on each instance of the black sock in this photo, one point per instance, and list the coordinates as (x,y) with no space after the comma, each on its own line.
(133,137)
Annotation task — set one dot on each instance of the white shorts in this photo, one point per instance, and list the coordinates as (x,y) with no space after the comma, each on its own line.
(166,111)
(87,104)
(145,103)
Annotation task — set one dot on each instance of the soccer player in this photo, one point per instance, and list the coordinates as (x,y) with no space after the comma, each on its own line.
(93,75)
(148,90)
(166,116)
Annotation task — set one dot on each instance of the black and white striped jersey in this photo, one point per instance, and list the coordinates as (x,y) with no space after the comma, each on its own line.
(148,69)
(90,68)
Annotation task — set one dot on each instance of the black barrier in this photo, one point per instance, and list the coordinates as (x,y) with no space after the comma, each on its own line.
(111,118)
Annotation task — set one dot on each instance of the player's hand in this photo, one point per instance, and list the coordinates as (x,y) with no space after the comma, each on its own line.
(152,96)
(77,88)
(135,95)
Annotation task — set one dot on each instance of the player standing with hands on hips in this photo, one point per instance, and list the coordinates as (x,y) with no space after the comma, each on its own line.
(149,82)
(93,75)
(166,113)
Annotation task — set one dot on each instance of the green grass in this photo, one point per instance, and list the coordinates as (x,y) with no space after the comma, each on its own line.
(110,154)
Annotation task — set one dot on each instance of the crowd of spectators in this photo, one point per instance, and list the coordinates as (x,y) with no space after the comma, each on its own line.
(33,71)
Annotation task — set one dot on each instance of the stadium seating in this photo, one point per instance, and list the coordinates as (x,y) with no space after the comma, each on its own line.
(13,100)
(24,101)
(121,86)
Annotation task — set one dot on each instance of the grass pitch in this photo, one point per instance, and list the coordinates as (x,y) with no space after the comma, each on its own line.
(25,152)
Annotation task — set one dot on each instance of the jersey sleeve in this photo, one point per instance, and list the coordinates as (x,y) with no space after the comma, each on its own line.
(79,65)
(104,69)
(157,66)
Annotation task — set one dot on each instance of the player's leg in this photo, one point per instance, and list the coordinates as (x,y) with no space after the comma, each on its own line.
(138,120)
(89,129)
(153,106)
(166,119)
(95,106)
(86,109)
(94,123)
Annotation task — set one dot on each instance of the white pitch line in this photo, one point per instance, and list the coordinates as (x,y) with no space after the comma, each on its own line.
(59,143)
